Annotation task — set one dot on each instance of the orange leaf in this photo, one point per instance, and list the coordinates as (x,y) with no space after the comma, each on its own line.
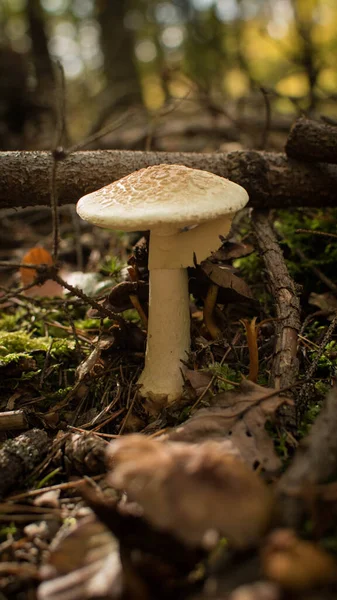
(35,256)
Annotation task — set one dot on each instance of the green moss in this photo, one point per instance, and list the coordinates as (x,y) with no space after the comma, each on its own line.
(320,251)
(131,315)
(62,348)
(9,322)
(19,342)
(14,342)
(13,357)
(224,372)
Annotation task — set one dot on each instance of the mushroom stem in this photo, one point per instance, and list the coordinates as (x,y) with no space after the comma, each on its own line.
(168,340)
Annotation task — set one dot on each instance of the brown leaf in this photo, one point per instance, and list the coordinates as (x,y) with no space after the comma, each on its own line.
(35,256)
(119,297)
(199,380)
(231,250)
(196,492)
(224,277)
(240,416)
(83,565)
(296,564)
(38,256)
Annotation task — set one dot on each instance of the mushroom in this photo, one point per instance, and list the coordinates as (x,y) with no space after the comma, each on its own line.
(186,210)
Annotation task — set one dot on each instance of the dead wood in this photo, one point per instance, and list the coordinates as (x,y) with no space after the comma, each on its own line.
(315,462)
(13,419)
(20,456)
(312,142)
(283,289)
(271,179)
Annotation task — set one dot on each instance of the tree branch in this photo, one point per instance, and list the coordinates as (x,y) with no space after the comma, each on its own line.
(313,142)
(271,179)
(283,289)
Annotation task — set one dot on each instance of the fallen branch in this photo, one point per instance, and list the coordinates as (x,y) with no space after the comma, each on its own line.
(271,179)
(283,290)
(13,419)
(312,142)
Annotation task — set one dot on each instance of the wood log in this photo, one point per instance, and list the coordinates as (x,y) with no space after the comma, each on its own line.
(310,141)
(271,179)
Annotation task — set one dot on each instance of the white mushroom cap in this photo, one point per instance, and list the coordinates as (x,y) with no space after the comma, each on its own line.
(172,195)
(166,199)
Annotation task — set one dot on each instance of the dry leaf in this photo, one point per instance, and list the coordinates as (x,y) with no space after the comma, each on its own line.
(38,256)
(83,565)
(231,250)
(224,277)
(296,564)
(199,380)
(240,416)
(196,492)
(35,256)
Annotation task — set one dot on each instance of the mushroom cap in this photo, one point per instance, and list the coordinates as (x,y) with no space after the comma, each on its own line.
(162,195)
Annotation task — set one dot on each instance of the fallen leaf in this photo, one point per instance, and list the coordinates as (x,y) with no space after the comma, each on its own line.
(231,250)
(296,564)
(119,297)
(240,416)
(84,565)
(50,288)
(224,277)
(35,256)
(231,287)
(195,492)
(199,380)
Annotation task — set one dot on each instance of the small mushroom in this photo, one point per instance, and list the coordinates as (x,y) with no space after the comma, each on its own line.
(186,210)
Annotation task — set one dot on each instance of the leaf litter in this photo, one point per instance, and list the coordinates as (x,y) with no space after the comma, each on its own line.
(202,490)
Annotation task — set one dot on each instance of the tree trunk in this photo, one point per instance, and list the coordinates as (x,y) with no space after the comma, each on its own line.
(117,46)
(41,125)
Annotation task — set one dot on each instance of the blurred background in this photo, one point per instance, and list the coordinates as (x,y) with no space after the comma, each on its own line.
(199,75)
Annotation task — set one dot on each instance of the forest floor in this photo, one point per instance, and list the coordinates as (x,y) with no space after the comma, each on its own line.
(228,493)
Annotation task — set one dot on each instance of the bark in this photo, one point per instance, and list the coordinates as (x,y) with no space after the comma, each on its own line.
(40,127)
(271,179)
(313,142)
(117,46)
(283,289)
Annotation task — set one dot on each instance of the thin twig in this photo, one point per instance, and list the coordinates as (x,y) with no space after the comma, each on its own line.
(267,124)
(58,155)
(60,486)
(322,233)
